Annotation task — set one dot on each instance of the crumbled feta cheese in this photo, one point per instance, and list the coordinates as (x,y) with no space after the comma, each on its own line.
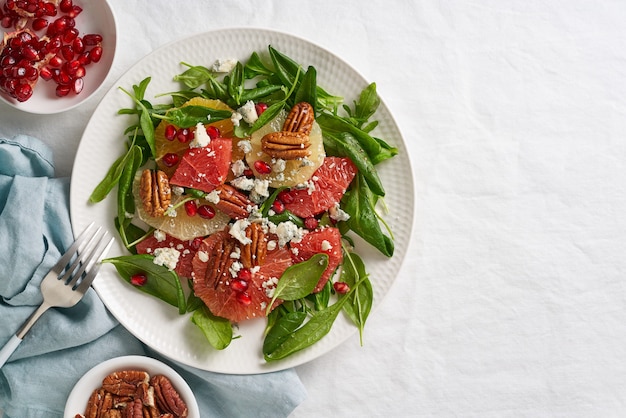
(261,187)
(337,214)
(326,245)
(235,118)
(167,257)
(243,183)
(269,286)
(238,231)
(224,65)
(287,232)
(235,268)
(236,254)
(245,146)
(177,190)
(213,197)
(200,138)
(248,112)
(238,167)
(159,235)
(278,165)
(203,256)
(271,245)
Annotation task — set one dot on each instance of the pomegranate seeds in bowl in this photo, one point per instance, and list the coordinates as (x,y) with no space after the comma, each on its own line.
(54,54)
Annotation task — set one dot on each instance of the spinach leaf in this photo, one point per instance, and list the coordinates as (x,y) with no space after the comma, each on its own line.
(255,67)
(235,84)
(162,283)
(109,181)
(218,331)
(359,203)
(189,116)
(307,91)
(195,76)
(360,302)
(300,279)
(281,329)
(125,200)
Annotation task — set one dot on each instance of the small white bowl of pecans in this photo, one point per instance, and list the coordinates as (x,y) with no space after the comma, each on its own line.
(54,54)
(132,386)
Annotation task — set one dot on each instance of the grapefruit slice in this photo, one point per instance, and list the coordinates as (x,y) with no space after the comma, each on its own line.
(204,168)
(325,240)
(223,298)
(295,171)
(326,187)
(186,249)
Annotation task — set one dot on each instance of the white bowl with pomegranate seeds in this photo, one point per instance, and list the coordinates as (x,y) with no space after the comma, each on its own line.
(56,54)
(79,397)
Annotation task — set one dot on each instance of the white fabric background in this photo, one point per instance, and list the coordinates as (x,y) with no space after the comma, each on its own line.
(512,301)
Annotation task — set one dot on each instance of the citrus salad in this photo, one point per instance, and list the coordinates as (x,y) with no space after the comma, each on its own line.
(239,198)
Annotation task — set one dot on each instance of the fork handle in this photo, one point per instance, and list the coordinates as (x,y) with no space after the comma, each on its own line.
(8,349)
(15,340)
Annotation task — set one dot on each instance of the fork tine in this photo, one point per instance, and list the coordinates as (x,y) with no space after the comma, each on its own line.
(67,257)
(91,274)
(84,260)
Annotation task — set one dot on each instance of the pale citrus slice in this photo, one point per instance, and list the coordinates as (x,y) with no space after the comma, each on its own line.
(295,171)
(181,226)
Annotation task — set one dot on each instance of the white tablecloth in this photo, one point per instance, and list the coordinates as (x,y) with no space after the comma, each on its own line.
(512,300)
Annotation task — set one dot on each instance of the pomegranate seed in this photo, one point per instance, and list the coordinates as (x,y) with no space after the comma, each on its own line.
(191,207)
(63,78)
(260,108)
(70,67)
(67,52)
(213,132)
(56,61)
(170,132)
(7,61)
(262,167)
(66,5)
(138,279)
(78,85)
(170,159)
(69,35)
(84,58)
(341,287)
(31,73)
(6,22)
(183,135)
(244,298)
(54,45)
(23,92)
(30,53)
(239,285)
(278,206)
(195,243)
(96,53)
(206,212)
(45,73)
(49,9)
(79,45)
(245,274)
(92,39)
(62,90)
(248,172)
(311,223)
(75,11)
(39,24)
(80,71)
(286,197)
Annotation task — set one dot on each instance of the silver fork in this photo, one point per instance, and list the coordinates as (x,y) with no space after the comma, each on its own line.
(67,282)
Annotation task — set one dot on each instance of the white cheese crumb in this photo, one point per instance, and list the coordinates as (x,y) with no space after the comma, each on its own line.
(278,165)
(238,231)
(271,245)
(167,257)
(203,256)
(287,232)
(238,167)
(159,235)
(224,65)
(243,183)
(248,112)
(245,146)
(178,191)
(326,245)
(200,138)
(213,197)
(337,214)
(235,118)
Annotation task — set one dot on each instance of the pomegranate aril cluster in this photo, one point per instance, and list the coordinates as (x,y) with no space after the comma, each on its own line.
(60,55)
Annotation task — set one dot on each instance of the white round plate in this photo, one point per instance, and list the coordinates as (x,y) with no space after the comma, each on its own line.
(92,380)
(96,17)
(152,321)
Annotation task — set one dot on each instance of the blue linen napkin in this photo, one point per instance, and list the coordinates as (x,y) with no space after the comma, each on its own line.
(65,343)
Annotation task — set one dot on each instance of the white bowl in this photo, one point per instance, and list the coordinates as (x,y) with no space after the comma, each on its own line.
(77,401)
(96,17)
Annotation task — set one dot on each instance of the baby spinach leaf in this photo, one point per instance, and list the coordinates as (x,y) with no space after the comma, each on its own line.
(109,181)
(218,331)
(162,283)
(281,329)
(300,279)
(235,84)
(195,76)
(189,116)
(307,91)
(360,301)
(255,67)
(125,200)
(359,204)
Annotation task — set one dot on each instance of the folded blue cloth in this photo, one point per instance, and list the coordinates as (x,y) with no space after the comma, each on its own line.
(65,343)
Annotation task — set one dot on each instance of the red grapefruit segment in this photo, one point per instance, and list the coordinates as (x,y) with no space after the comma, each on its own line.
(324,240)
(186,249)
(204,168)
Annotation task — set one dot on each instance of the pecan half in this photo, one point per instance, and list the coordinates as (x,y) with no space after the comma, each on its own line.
(124,383)
(300,118)
(219,263)
(94,404)
(253,254)
(167,398)
(233,202)
(286,145)
(155,192)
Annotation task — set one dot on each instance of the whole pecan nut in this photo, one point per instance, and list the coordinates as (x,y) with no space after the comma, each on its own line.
(168,400)
(300,119)
(155,192)
(286,145)
(233,202)
(253,254)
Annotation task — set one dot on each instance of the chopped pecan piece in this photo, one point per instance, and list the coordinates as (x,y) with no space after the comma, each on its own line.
(253,254)
(286,145)
(300,119)
(155,192)
(232,202)
(167,398)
